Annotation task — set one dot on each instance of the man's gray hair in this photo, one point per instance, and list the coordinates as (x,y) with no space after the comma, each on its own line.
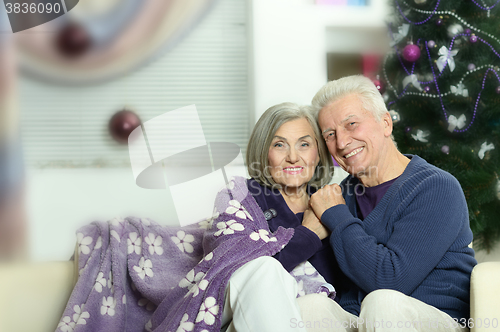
(358,85)
(263,133)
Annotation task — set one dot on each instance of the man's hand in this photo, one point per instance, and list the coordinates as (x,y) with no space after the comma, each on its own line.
(325,198)
(311,221)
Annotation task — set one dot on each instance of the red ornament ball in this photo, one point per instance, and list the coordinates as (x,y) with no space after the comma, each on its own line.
(121,124)
(73,40)
(379,85)
(411,53)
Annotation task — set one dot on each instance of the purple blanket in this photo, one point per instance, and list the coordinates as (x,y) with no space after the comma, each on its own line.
(136,275)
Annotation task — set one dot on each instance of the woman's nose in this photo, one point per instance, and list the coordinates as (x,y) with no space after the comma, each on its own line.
(292,156)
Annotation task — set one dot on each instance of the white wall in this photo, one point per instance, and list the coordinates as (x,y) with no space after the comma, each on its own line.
(290,40)
(287,63)
(59,201)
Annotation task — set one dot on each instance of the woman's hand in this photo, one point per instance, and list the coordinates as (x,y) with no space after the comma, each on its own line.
(325,198)
(311,221)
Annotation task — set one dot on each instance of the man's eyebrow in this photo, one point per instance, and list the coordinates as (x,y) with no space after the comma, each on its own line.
(327,130)
(343,121)
(348,117)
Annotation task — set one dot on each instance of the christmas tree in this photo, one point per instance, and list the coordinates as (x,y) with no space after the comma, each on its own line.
(441,83)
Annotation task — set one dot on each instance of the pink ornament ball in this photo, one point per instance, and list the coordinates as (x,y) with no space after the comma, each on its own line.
(411,53)
(379,85)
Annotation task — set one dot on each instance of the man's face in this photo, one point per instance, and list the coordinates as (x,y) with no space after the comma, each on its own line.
(355,139)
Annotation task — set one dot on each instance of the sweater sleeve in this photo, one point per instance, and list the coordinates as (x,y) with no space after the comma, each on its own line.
(425,218)
(301,247)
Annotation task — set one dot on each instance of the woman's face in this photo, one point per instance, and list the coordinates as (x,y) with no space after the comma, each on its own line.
(293,154)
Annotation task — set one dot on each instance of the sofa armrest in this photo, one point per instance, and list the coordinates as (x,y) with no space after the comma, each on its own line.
(33,296)
(484,296)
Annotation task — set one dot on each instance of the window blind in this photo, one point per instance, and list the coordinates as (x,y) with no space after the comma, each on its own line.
(68,126)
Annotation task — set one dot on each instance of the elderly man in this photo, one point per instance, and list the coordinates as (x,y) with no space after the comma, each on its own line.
(399,226)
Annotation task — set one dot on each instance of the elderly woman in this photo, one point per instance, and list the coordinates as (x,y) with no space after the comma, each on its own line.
(230,271)
(288,161)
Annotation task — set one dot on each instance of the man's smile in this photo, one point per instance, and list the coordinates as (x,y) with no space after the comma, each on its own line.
(353,153)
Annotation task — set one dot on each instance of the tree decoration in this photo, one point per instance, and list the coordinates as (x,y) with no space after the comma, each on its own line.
(395,116)
(498,189)
(121,124)
(380,86)
(411,53)
(454,30)
(448,97)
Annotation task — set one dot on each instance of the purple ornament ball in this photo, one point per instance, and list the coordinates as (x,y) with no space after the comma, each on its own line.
(427,88)
(497,89)
(407,129)
(431,43)
(439,22)
(121,124)
(471,66)
(467,31)
(473,39)
(445,149)
(411,53)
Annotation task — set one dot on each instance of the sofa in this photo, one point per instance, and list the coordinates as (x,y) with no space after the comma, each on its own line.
(33,296)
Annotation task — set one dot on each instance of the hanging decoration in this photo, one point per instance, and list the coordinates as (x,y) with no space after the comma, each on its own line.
(121,124)
(411,53)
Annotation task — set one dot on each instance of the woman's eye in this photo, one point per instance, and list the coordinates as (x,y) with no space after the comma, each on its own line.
(278,145)
(305,144)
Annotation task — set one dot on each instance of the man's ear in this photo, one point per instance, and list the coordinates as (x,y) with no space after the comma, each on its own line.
(387,122)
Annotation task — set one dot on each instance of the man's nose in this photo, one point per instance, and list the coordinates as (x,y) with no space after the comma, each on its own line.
(343,139)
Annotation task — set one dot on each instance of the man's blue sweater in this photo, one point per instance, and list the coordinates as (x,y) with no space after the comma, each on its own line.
(414,241)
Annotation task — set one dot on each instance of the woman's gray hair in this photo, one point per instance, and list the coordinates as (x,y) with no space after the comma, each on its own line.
(263,133)
(358,85)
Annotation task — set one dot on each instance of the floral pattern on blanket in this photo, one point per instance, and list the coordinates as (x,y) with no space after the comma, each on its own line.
(136,275)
